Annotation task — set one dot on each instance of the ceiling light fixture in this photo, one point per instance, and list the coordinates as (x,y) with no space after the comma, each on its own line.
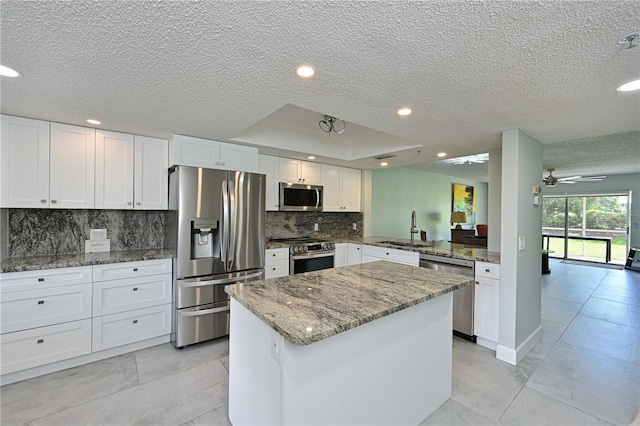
(442,154)
(627,87)
(305,71)
(404,112)
(628,39)
(384,164)
(311,157)
(92,121)
(332,124)
(8,72)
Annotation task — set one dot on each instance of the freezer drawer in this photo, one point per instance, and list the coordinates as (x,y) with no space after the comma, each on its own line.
(207,290)
(193,325)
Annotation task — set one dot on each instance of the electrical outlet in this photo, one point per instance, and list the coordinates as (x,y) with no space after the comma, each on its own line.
(97,234)
(355,226)
(277,342)
(522,243)
(315,226)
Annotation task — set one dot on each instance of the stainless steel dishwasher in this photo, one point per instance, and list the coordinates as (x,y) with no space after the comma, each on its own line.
(463,298)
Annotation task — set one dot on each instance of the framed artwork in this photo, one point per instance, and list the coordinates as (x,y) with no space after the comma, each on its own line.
(463,199)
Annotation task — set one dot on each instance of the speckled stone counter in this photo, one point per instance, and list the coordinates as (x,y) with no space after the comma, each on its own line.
(306,308)
(34,263)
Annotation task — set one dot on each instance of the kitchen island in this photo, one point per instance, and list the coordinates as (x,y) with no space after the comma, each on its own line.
(363,344)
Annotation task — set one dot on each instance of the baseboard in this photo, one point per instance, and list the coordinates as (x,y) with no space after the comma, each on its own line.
(514,356)
(487,343)
(80,360)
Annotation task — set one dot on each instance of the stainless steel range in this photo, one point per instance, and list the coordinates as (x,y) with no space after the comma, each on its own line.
(309,254)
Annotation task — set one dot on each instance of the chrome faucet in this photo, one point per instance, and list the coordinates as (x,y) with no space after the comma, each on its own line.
(413,226)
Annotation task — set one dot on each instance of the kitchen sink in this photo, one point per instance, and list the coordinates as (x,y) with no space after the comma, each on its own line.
(398,243)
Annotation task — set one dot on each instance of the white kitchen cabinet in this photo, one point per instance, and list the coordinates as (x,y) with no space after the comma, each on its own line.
(151,180)
(131,172)
(198,152)
(303,172)
(340,257)
(24,163)
(114,170)
(354,254)
(276,263)
(487,304)
(269,166)
(71,167)
(373,253)
(341,189)
(112,297)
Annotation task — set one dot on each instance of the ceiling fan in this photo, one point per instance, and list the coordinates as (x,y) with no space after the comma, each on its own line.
(551,180)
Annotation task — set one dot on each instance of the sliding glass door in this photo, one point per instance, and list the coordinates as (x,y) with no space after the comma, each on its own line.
(586,227)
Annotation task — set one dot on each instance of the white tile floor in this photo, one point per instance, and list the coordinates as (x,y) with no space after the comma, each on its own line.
(586,370)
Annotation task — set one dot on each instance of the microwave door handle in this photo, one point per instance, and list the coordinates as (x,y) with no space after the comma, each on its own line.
(225,226)
(232,223)
(317,197)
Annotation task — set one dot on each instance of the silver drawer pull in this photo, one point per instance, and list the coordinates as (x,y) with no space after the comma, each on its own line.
(40,280)
(487,270)
(135,321)
(477,282)
(138,203)
(135,269)
(54,201)
(274,255)
(135,289)
(273,269)
(43,201)
(40,302)
(40,341)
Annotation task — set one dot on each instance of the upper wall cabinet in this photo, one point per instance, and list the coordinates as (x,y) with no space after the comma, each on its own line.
(295,171)
(341,189)
(24,163)
(268,166)
(197,152)
(131,172)
(72,166)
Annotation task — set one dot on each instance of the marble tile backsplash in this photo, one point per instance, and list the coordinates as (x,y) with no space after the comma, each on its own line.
(300,224)
(41,232)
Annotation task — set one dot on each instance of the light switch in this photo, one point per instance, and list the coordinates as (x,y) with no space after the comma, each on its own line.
(315,226)
(522,243)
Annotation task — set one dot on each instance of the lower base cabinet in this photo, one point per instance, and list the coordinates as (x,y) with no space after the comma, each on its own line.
(276,263)
(487,304)
(123,328)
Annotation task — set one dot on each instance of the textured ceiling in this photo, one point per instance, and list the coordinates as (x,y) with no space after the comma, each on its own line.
(224,70)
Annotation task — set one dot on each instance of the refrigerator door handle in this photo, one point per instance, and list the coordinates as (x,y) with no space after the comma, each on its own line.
(225,226)
(187,283)
(232,223)
(205,312)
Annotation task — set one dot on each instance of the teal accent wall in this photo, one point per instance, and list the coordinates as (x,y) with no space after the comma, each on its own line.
(396,192)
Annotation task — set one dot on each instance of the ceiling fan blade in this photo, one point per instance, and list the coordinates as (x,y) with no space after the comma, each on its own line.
(593,179)
(570,178)
(566,181)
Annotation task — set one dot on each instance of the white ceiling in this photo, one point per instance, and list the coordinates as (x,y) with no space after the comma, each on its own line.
(224,70)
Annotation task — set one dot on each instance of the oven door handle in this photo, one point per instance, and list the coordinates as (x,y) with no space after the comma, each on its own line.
(189,283)
(312,256)
(205,312)
(317,197)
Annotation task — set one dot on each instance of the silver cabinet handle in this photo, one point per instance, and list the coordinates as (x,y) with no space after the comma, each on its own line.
(40,341)
(129,203)
(54,201)
(138,203)
(477,282)
(135,321)
(43,201)
(135,289)
(40,280)
(40,302)
(135,269)
(224,164)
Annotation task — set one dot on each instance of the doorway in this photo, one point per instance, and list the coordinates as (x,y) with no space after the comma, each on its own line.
(592,227)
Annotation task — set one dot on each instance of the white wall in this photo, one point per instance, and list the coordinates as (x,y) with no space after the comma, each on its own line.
(613,183)
(495,199)
(520,270)
(398,191)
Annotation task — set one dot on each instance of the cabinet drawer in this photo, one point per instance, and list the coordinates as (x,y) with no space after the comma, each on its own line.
(398,256)
(45,278)
(116,271)
(111,297)
(276,255)
(488,270)
(39,346)
(22,310)
(277,270)
(120,329)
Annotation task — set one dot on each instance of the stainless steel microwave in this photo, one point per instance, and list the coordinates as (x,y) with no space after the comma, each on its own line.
(300,198)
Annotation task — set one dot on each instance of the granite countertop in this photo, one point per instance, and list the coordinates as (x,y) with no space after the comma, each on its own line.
(34,263)
(445,249)
(306,308)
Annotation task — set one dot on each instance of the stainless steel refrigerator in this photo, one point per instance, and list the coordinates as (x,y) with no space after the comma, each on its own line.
(215,229)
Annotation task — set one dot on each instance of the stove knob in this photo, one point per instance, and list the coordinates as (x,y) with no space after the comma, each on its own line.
(331,246)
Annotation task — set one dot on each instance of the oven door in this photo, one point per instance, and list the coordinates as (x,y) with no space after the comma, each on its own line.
(311,262)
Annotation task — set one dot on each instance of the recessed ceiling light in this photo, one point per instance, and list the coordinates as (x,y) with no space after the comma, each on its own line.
(311,157)
(632,85)
(92,121)
(442,154)
(384,163)
(305,71)
(404,111)
(8,72)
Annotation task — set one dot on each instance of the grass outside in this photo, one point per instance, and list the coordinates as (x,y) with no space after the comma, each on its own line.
(590,249)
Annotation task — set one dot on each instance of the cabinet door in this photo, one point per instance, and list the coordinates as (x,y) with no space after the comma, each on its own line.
(487,299)
(238,157)
(311,173)
(354,254)
(268,165)
(194,152)
(151,176)
(289,170)
(114,170)
(72,166)
(351,191)
(24,163)
(331,182)
(340,257)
